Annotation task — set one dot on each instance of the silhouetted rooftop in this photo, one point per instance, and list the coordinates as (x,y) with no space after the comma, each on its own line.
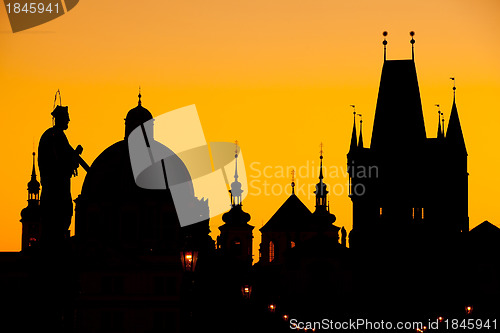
(290,216)
(399,120)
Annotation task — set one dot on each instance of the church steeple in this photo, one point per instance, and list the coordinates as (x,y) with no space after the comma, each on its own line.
(33,184)
(354,137)
(454,135)
(440,130)
(360,144)
(321,192)
(30,216)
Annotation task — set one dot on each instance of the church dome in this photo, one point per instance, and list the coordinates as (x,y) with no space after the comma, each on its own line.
(114,212)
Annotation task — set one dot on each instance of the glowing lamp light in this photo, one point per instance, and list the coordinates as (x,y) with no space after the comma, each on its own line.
(468,309)
(285,317)
(440,319)
(246,291)
(272,307)
(188,259)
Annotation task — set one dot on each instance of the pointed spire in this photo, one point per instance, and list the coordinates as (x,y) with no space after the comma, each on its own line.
(360,144)
(454,133)
(139,103)
(293,182)
(354,138)
(412,41)
(236,160)
(33,171)
(321,161)
(385,45)
(33,184)
(440,133)
(236,190)
(321,192)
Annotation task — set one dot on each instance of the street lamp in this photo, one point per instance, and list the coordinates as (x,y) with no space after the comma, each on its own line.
(246,291)
(272,307)
(468,309)
(189,259)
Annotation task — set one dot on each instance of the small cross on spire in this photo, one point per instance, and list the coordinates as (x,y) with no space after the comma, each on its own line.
(293,181)
(139,96)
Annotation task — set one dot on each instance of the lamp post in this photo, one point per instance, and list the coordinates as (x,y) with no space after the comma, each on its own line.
(188,259)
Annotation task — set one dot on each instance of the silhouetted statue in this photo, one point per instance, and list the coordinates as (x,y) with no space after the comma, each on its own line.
(57,162)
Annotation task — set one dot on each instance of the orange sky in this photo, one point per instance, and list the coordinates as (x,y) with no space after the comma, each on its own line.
(279,76)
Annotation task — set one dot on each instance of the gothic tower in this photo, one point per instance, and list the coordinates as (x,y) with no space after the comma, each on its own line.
(406,186)
(30,216)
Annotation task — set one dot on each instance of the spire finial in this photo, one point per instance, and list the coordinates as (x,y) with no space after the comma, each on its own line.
(33,172)
(454,87)
(321,163)
(353,111)
(293,181)
(360,144)
(236,160)
(139,103)
(236,190)
(354,139)
(440,130)
(412,41)
(385,44)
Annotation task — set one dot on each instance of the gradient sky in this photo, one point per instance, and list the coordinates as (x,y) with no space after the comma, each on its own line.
(278,76)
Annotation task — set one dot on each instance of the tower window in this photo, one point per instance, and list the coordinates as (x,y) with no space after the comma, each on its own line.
(271,251)
(380,212)
(292,244)
(417,213)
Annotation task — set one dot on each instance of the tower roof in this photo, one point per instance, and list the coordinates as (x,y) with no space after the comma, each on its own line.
(136,116)
(399,121)
(360,144)
(292,215)
(454,134)
(33,184)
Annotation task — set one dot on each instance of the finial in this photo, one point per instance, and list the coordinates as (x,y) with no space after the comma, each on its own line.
(236,160)
(360,143)
(385,44)
(412,41)
(440,131)
(321,163)
(354,111)
(454,87)
(139,103)
(293,181)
